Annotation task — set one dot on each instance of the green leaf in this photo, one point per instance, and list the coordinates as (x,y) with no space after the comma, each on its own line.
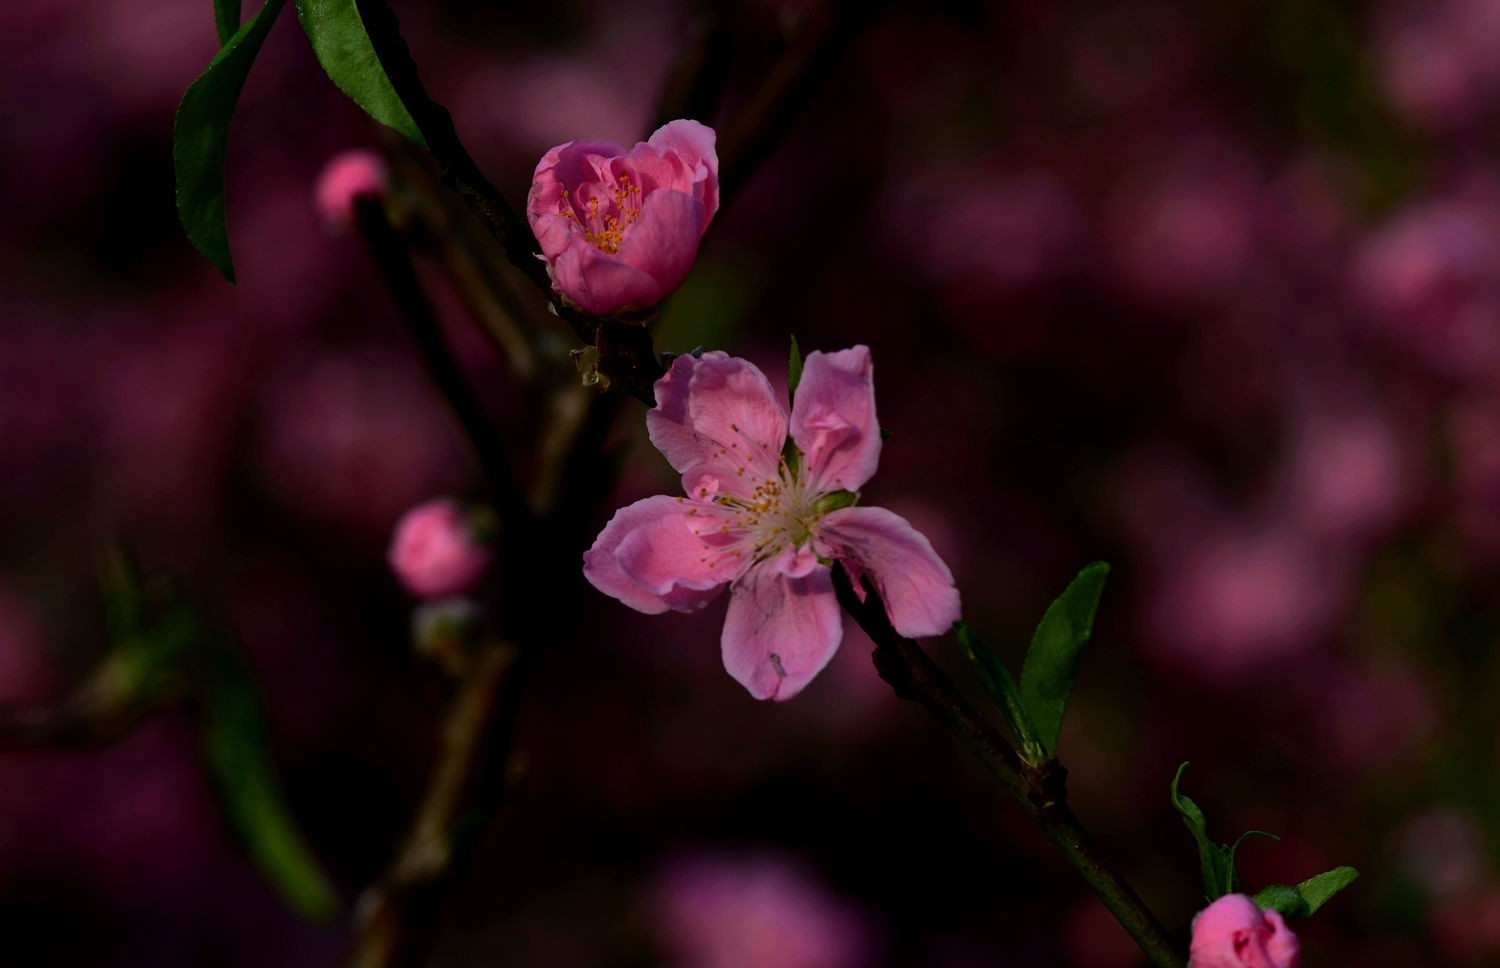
(1001,686)
(1217,861)
(226,19)
(200,136)
(343,47)
(1307,897)
(1051,664)
(237,758)
(793,371)
(1284,899)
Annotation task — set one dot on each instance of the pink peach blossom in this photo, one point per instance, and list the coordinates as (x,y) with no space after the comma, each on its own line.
(434,553)
(347,177)
(770,526)
(1233,932)
(619,229)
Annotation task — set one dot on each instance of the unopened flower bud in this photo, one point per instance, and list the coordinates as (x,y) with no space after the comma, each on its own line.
(444,630)
(346,178)
(1233,932)
(435,551)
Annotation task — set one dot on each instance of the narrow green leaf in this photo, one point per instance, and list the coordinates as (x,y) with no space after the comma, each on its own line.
(1317,891)
(226,19)
(200,136)
(1051,665)
(793,371)
(1216,860)
(998,682)
(342,46)
(237,757)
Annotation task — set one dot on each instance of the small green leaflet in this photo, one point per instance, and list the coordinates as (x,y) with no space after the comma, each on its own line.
(1307,897)
(343,47)
(200,136)
(1051,665)
(226,19)
(1001,686)
(1219,875)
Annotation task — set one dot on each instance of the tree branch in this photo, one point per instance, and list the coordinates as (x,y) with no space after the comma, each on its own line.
(1041,790)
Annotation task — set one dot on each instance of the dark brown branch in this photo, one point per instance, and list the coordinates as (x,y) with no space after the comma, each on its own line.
(816,47)
(1041,790)
(394,263)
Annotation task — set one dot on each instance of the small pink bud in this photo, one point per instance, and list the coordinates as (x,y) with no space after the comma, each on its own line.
(1233,932)
(618,228)
(434,551)
(347,177)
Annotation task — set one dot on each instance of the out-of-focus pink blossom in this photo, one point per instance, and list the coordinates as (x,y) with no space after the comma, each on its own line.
(356,438)
(620,228)
(346,178)
(434,552)
(1233,932)
(1243,599)
(756,911)
(1442,850)
(1466,927)
(1430,279)
(765,527)
(1345,476)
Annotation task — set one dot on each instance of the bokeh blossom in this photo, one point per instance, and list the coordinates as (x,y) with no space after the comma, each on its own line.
(619,229)
(769,522)
(1233,932)
(346,178)
(756,911)
(434,551)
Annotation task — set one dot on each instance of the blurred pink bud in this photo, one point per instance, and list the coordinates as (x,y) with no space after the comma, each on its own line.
(347,177)
(434,551)
(1233,932)
(619,229)
(757,911)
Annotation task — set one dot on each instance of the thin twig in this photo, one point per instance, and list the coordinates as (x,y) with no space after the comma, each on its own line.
(394,263)
(820,40)
(1041,790)
(397,917)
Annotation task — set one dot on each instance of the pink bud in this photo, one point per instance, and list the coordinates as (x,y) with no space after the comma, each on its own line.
(347,177)
(1233,932)
(619,229)
(434,552)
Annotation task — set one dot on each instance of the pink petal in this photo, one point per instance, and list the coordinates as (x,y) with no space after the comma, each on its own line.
(780,631)
(1282,946)
(1229,934)
(694,144)
(663,240)
(563,168)
(833,419)
(913,581)
(719,424)
(601,284)
(649,557)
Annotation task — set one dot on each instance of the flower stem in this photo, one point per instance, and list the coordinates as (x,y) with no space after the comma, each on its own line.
(1041,790)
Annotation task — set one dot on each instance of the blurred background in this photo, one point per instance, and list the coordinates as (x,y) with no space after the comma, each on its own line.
(1211,292)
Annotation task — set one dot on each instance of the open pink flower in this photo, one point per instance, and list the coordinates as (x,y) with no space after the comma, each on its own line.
(767,526)
(620,229)
(1233,932)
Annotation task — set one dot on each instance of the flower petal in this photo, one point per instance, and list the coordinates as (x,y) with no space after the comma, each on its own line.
(1283,947)
(650,556)
(780,631)
(719,424)
(663,240)
(694,144)
(600,284)
(913,581)
(833,420)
